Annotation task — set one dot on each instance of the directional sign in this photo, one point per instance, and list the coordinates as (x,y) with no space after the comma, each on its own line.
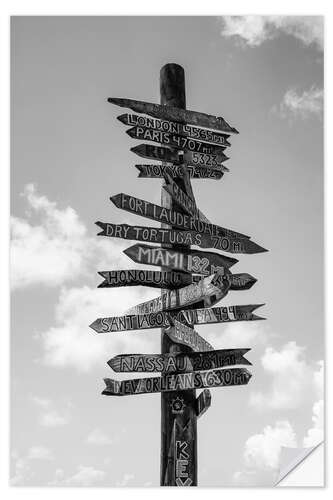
(172,217)
(166,154)
(178,362)
(186,335)
(157,171)
(214,287)
(203,402)
(162,319)
(242,281)
(176,141)
(177,382)
(145,277)
(175,114)
(174,236)
(182,129)
(182,199)
(193,261)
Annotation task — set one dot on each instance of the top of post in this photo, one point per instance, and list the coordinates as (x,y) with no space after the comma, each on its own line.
(172,85)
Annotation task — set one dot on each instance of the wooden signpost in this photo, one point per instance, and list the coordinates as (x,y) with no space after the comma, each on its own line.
(176,382)
(146,277)
(161,319)
(176,141)
(194,159)
(174,113)
(166,279)
(191,145)
(180,333)
(200,134)
(171,217)
(194,261)
(170,363)
(157,171)
(174,236)
(213,288)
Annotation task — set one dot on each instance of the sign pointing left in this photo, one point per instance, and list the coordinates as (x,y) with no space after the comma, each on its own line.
(177,382)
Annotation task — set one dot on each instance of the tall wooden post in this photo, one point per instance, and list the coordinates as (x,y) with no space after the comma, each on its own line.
(178,410)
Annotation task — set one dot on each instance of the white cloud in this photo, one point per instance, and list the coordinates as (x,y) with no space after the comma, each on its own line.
(301,105)
(71,342)
(40,453)
(57,249)
(22,469)
(292,378)
(125,480)
(262,452)
(240,334)
(84,476)
(50,417)
(315,434)
(98,437)
(254,30)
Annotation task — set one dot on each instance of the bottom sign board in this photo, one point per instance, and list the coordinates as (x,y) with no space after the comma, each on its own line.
(177,382)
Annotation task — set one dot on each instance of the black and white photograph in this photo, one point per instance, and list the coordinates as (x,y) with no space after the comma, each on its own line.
(167,322)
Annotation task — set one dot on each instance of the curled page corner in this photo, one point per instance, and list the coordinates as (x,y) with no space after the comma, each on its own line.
(291,458)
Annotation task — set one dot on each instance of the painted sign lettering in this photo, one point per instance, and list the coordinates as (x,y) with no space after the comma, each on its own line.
(186,335)
(157,171)
(175,236)
(145,277)
(174,114)
(178,362)
(193,261)
(170,127)
(162,319)
(173,218)
(242,281)
(176,141)
(165,154)
(177,382)
(215,286)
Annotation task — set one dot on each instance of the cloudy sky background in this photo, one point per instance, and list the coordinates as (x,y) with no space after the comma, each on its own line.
(264,75)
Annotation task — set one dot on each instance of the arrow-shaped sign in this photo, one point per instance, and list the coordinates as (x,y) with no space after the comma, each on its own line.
(172,217)
(203,402)
(165,279)
(182,129)
(174,236)
(186,335)
(193,261)
(194,159)
(175,114)
(145,277)
(176,141)
(211,289)
(162,319)
(178,362)
(157,171)
(177,382)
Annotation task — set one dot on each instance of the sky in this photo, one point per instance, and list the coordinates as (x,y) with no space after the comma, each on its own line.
(69,154)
